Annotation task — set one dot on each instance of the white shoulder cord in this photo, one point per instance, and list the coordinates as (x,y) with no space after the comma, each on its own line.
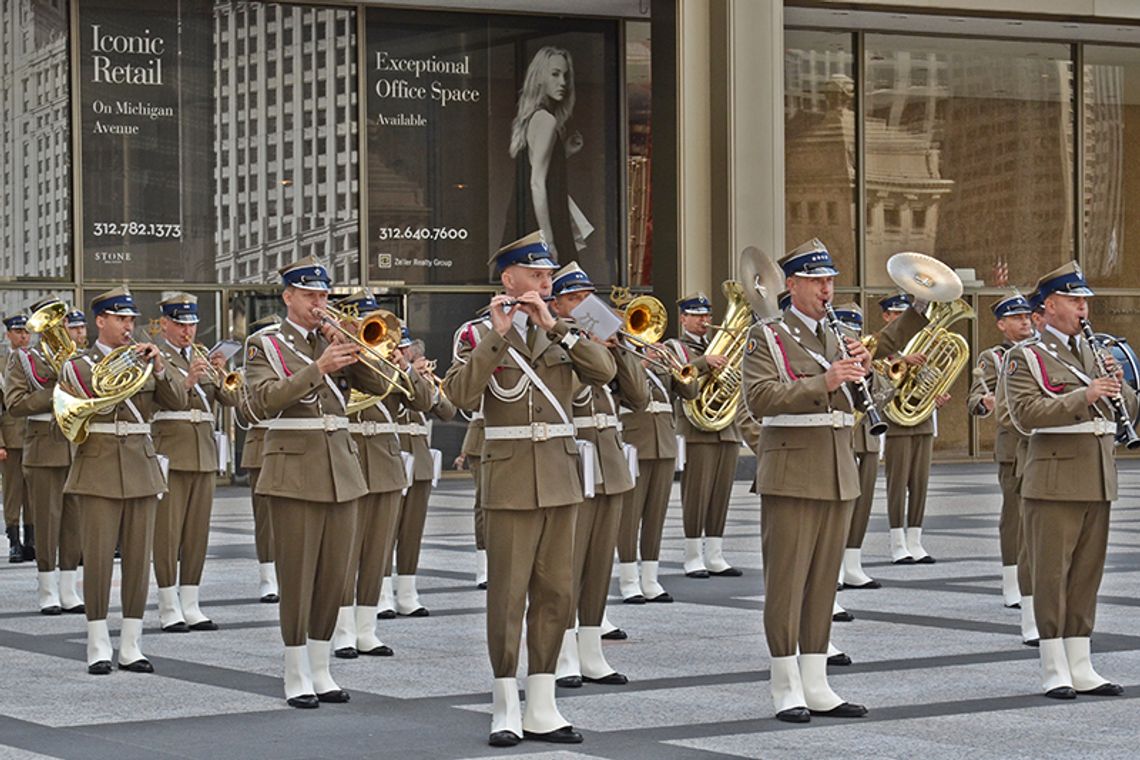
(537,382)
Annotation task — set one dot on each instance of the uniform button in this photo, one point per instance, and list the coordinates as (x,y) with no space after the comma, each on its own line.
(817,403)
(538,409)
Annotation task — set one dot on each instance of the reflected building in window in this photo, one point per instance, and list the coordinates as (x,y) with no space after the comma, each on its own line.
(1106,178)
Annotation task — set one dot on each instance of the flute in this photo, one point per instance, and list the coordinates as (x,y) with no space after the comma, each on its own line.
(865,402)
(1125,430)
(508,305)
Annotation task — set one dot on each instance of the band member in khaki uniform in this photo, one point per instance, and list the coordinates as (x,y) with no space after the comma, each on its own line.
(186,437)
(1056,392)
(471,455)
(116,480)
(415,439)
(251,463)
(522,366)
(16,505)
(299,382)
(1012,314)
(795,380)
(595,417)
(28,384)
(653,432)
(76,323)
(710,457)
(376,435)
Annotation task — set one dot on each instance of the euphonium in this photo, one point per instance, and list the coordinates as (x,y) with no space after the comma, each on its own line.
(118,376)
(56,343)
(946,355)
(715,406)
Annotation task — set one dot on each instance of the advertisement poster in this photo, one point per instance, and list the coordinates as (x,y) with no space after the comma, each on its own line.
(482,129)
(147,121)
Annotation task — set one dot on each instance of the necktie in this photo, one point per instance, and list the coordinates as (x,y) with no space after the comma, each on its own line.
(186,355)
(1074,347)
(531,332)
(819,333)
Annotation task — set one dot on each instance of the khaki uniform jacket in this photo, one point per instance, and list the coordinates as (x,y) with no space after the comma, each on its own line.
(655,435)
(614,475)
(380,453)
(309,465)
(44,443)
(1061,466)
(691,350)
(419,446)
(11,428)
(803,462)
(119,467)
(512,470)
(252,447)
(190,445)
(473,438)
(882,390)
(1007,440)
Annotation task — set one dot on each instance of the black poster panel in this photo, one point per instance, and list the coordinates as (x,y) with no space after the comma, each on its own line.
(482,129)
(147,115)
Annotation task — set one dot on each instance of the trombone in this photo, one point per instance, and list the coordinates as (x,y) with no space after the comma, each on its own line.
(229,381)
(644,319)
(376,335)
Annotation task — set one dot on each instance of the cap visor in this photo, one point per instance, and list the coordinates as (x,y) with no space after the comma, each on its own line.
(1084,292)
(820,272)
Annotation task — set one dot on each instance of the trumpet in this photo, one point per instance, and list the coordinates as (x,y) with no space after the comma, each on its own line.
(428,373)
(864,401)
(376,335)
(1125,430)
(229,381)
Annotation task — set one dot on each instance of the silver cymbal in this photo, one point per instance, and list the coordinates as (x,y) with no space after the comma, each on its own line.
(924,277)
(763,280)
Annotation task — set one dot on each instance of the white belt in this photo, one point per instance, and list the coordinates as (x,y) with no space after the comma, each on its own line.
(369,428)
(192,415)
(835,419)
(600,421)
(413,428)
(120,428)
(535,431)
(327,423)
(1096,427)
(476,416)
(654,407)
(41,417)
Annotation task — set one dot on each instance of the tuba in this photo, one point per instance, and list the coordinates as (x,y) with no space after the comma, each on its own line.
(118,376)
(946,352)
(57,345)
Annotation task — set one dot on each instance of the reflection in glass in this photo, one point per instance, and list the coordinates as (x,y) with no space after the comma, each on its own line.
(148,326)
(819,150)
(638,90)
(969,151)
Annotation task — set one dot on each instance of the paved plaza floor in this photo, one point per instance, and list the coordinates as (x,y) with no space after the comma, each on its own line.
(938,660)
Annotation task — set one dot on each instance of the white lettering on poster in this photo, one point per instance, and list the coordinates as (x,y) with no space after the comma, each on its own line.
(144,67)
(396,88)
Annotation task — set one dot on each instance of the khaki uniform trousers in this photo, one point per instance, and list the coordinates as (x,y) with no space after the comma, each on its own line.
(262,524)
(57,519)
(480,535)
(314,541)
(907,460)
(410,530)
(129,523)
(644,508)
(376,518)
(1068,541)
(529,557)
(706,486)
(182,529)
(595,534)
(15,492)
(868,464)
(802,542)
(1009,526)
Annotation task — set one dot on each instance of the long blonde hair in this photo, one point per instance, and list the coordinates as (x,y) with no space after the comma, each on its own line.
(532,97)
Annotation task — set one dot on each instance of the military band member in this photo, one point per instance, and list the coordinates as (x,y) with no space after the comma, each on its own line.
(1012,314)
(186,437)
(521,365)
(415,439)
(795,382)
(17,508)
(1056,394)
(595,417)
(28,383)
(251,462)
(375,432)
(116,479)
(300,379)
(471,455)
(710,457)
(76,323)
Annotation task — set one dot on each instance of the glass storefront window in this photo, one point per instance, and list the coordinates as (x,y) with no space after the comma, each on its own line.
(969,155)
(819,147)
(639,202)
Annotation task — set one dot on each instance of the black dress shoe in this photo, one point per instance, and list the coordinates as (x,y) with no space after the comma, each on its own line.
(868,585)
(1032,643)
(613,679)
(840,659)
(346,653)
(336,696)
(1105,690)
(270,599)
(78,609)
(569,682)
(662,598)
(698,574)
(179,627)
(100,668)
(417,612)
(29,553)
(845,710)
(503,739)
(381,651)
(15,554)
(635,599)
(386,615)
(1062,692)
(616,634)
(304,702)
(138,666)
(1014,606)
(205,625)
(843,617)
(54,609)
(728,572)
(483,585)
(927,560)
(903,561)
(564,735)
(794,715)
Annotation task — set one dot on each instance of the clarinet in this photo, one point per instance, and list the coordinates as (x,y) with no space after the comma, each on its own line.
(1125,430)
(864,401)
